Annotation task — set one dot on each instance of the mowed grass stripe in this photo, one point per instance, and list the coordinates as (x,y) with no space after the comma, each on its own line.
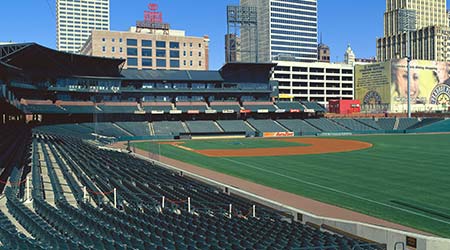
(397,167)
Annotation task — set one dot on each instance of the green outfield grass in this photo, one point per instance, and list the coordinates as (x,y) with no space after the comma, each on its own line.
(239,144)
(402,178)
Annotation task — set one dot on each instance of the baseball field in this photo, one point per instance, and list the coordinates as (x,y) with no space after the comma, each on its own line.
(400,178)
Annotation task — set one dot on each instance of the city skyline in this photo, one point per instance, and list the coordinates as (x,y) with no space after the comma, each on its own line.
(356,24)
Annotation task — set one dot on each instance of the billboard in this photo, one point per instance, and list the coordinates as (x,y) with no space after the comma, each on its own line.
(429,83)
(372,83)
(385,85)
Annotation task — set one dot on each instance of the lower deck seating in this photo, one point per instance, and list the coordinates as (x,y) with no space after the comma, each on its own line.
(370,123)
(141,222)
(233,126)
(135,128)
(106,129)
(267,126)
(203,127)
(353,125)
(386,123)
(168,127)
(299,126)
(326,125)
(405,123)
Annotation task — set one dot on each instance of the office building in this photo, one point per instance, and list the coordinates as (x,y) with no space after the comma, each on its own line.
(285,28)
(323,53)
(232,48)
(428,39)
(75,19)
(150,49)
(318,81)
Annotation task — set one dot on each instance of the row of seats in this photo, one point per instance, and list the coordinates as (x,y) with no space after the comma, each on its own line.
(142,222)
(249,127)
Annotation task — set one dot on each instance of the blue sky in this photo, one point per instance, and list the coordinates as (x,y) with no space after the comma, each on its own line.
(358,22)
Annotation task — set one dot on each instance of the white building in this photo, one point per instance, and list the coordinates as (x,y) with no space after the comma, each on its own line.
(318,81)
(75,19)
(285,28)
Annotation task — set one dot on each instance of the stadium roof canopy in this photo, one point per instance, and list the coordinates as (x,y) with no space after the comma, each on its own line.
(36,61)
(172,75)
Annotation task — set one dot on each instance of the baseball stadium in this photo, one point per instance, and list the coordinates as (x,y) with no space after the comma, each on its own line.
(94,156)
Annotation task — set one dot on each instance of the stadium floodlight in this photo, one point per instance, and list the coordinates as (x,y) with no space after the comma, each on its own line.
(407,23)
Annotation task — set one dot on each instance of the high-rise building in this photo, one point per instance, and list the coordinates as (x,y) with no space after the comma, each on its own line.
(428,13)
(323,53)
(428,39)
(75,19)
(349,56)
(285,28)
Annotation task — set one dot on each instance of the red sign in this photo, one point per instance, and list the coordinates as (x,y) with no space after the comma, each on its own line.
(278,134)
(295,110)
(245,111)
(153,16)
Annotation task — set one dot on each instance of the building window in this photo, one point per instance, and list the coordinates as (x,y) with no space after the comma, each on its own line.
(131,42)
(174,45)
(184,53)
(174,63)
(160,53)
(103,39)
(160,62)
(160,44)
(146,52)
(199,45)
(103,49)
(190,53)
(120,49)
(174,54)
(120,40)
(190,63)
(132,61)
(184,62)
(113,49)
(113,40)
(199,53)
(190,45)
(146,62)
(184,44)
(131,52)
(146,43)
(199,63)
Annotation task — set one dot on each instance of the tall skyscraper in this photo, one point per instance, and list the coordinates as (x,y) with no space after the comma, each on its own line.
(428,40)
(286,28)
(75,19)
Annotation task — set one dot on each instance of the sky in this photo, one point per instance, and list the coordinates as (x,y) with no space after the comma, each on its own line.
(343,22)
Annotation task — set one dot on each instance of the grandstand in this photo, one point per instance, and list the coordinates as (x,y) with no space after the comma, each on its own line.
(87,197)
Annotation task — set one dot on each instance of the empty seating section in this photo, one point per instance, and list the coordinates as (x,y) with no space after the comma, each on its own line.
(386,123)
(353,125)
(143,223)
(326,125)
(235,126)
(299,126)
(223,107)
(168,128)
(255,106)
(290,106)
(314,105)
(157,107)
(405,123)
(14,152)
(74,130)
(203,127)
(192,106)
(118,107)
(105,129)
(425,122)
(266,126)
(370,122)
(135,128)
